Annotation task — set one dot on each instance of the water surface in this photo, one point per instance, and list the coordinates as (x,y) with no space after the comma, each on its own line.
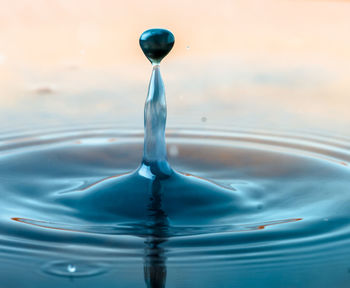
(292,232)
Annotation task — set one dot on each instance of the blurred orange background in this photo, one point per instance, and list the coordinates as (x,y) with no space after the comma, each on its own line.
(271,64)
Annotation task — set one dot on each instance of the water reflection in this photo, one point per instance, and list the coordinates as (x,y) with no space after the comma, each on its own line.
(299,176)
(155,270)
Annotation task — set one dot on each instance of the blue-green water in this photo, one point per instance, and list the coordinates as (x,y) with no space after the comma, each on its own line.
(288,228)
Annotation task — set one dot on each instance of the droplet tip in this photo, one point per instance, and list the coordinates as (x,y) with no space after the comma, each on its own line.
(156,44)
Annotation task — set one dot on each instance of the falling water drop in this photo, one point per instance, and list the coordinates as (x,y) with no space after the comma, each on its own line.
(156,44)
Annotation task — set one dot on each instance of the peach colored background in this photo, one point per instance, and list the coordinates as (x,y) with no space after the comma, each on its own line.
(274,63)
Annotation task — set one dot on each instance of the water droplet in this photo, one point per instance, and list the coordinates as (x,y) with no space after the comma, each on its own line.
(71,268)
(64,269)
(156,44)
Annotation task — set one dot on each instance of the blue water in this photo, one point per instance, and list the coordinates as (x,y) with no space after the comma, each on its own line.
(290,227)
(111,207)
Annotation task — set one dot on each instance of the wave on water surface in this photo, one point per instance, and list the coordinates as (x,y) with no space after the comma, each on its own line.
(238,198)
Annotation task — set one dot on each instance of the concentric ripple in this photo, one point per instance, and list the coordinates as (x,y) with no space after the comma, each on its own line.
(291,218)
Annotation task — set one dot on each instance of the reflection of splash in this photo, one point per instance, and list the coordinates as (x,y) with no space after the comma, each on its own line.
(154,266)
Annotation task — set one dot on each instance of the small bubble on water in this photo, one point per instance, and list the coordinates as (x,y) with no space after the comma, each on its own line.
(80,269)
(71,268)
